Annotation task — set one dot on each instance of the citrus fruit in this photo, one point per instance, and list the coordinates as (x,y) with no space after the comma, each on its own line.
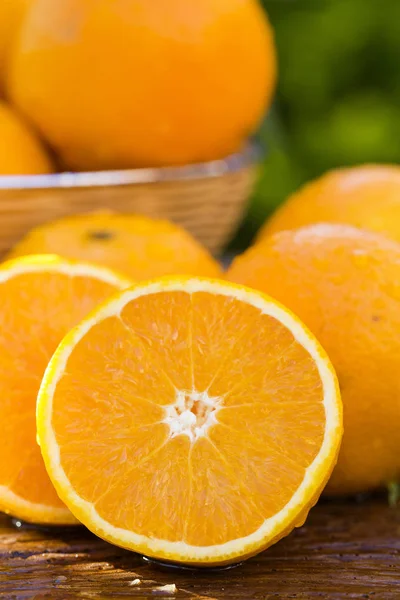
(366,197)
(21,152)
(11,14)
(138,83)
(344,283)
(191,420)
(41,298)
(142,248)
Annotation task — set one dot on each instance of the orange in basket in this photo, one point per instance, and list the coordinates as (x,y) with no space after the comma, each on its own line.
(11,13)
(191,420)
(41,298)
(21,152)
(144,83)
(140,247)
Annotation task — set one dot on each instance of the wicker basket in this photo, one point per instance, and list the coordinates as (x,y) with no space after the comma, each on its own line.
(207,199)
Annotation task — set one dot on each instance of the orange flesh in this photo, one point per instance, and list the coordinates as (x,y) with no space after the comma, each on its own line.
(118,453)
(36,311)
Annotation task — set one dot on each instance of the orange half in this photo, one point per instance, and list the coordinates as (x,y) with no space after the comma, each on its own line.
(41,298)
(190,420)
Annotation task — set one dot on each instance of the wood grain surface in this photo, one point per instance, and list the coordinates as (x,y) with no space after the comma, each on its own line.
(345,550)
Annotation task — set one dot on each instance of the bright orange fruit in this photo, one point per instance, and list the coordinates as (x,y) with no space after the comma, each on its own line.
(139,83)
(140,247)
(190,420)
(21,152)
(41,298)
(367,196)
(11,15)
(344,283)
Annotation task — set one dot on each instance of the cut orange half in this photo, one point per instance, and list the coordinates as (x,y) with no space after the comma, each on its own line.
(190,420)
(41,298)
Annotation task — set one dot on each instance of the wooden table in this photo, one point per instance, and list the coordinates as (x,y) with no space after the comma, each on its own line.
(345,550)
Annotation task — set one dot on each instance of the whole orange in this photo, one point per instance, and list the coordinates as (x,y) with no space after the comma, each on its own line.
(132,82)
(344,283)
(367,196)
(139,247)
(21,152)
(11,14)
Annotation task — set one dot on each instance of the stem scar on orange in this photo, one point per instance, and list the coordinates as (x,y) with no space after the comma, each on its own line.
(190,420)
(138,246)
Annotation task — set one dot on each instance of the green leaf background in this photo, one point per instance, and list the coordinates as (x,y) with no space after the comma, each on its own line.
(338,97)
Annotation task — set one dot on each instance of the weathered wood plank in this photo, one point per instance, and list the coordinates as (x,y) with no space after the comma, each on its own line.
(345,550)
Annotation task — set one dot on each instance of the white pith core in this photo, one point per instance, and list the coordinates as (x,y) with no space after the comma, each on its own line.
(191,414)
(219,553)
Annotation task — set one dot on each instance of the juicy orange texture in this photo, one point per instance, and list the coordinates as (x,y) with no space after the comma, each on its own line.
(40,300)
(186,416)
(344,283)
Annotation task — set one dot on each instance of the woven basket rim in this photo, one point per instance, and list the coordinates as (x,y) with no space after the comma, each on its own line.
(206,170)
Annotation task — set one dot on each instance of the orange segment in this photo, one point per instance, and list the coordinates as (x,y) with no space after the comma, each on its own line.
(344,283)
(41,298)
(126,373)
(164,339)
(220,508)
(208,329)
(127,503)
(191,420)
(267,481)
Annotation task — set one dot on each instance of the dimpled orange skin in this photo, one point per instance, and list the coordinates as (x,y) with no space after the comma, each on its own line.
(21,152)
(367,196)
(344,283)
(138,83)
(137,246)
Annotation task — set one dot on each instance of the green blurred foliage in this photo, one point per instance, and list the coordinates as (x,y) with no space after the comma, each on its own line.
(338,97)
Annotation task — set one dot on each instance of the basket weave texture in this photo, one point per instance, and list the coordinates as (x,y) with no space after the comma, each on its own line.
(208,200)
